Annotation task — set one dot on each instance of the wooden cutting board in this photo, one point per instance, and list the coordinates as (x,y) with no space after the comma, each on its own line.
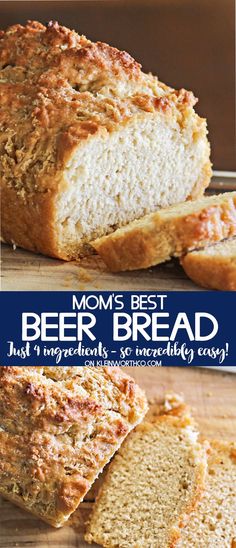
(25,271)
(212,396)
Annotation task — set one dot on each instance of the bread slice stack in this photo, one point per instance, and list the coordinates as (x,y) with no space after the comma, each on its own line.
(170,232)
(59,426)
(150,495)
(89,142)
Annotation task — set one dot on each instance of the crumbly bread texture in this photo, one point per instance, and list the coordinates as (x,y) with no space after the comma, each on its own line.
(151,487)
(59,426)
(88,142)
(213,523)
(172,404)
(170,232)
(213,267)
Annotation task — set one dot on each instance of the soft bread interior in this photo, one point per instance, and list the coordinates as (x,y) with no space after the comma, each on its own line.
(113,178)
(153,483)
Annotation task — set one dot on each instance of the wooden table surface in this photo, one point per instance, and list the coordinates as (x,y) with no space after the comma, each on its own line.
(22,270)
(212,396)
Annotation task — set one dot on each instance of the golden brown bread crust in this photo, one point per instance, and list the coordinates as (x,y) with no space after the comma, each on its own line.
(57,90)
(161,235)
(202,183)
(58,428)
(213,271)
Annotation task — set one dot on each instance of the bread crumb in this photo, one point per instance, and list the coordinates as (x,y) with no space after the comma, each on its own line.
(152,401)
(84,275)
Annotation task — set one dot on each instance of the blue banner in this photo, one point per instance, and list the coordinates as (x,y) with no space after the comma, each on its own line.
(115,328)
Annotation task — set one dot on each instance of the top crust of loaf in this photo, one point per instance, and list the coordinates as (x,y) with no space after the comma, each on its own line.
(57,89)
(59,426)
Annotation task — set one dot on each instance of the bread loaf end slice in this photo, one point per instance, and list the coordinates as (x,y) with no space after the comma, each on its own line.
(213,267)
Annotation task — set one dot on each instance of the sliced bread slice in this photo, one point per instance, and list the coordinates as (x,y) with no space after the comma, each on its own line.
(169,232)
(213,523)
(151,487)
(213,267)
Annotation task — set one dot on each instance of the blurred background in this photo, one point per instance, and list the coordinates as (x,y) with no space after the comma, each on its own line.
(187,43)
